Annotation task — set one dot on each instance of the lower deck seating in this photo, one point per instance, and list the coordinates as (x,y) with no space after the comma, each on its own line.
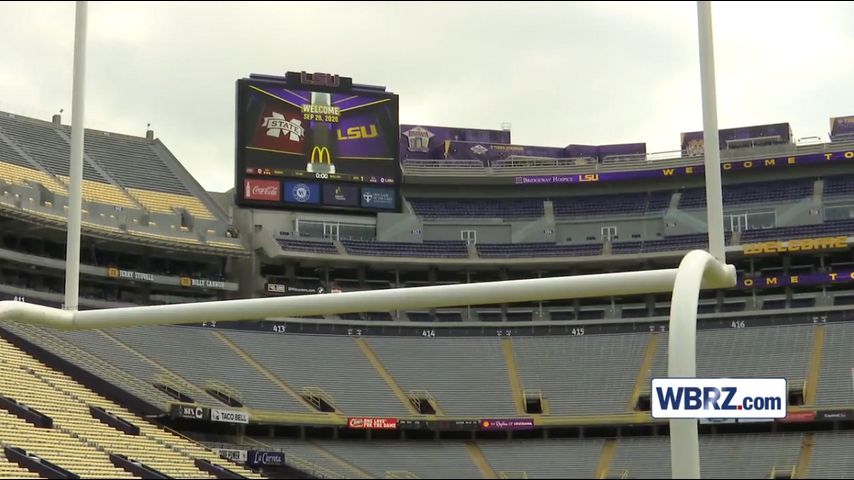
(77,441)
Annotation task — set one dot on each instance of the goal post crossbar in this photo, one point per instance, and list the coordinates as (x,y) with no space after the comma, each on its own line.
(698,268)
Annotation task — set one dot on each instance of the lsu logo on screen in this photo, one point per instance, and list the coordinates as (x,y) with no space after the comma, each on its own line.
(718,398)
(355,133)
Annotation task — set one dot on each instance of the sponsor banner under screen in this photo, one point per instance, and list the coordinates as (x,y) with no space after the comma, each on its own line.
(369,423)
(374,197)
(256,458)
(340,194)
(262,190)
(238,456)
(302,192)
(691,170)
(229,416)
(507,424)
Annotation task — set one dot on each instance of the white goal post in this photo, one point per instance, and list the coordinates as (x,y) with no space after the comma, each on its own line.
(698,269)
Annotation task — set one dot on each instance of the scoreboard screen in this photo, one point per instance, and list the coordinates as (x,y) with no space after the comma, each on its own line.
(316,141)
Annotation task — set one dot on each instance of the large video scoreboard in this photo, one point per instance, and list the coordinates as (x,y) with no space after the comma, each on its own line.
(316,141)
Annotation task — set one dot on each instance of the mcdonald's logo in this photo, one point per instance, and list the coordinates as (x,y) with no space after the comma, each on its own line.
(319,154)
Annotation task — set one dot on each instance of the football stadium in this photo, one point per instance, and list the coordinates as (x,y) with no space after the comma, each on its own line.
(334,195)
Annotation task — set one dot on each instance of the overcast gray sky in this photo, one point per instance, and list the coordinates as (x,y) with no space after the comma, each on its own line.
(588,73)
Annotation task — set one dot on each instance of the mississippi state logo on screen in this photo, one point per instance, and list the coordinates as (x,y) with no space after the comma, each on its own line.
(301,192)
(276,125)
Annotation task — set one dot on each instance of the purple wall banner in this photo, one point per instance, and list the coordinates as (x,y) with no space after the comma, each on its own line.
(507,424)
(692,142)
(842,125)
(428,142)
(582,151)
(823,278)
(621,149)
(602,151)
(490,152)
(695,170)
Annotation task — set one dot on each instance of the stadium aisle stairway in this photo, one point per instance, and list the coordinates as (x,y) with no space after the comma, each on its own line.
(56,395)
(12,470)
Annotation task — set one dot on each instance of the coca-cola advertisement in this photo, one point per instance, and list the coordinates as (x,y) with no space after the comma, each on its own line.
(264,190)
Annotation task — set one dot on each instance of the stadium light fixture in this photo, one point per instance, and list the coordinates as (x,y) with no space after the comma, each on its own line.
(698,269)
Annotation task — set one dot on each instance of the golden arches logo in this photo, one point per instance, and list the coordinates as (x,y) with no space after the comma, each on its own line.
(319,154)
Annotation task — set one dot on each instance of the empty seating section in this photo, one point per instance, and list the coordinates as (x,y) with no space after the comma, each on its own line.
(103,357)
(131,162)
(432,249)
(749,352)
(104,193)
(161,202)
(747,456)
(553,458)
(581,375)
(42,143)
(9,155)
(723,456)
(692,198)
(142,175)
(626,248)
(669,244)
(482,208)
(422,459)
(746,193)
(57,447)
(334,364)
(184,351)
(479,389)
(839,186)
(835,227)
(533,250)
(18,175)
(835,376)
(67,403)
(308,246)
(634,203)
(831,455)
